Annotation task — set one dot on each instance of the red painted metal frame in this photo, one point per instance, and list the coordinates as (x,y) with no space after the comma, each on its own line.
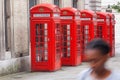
(75,57)
(52,64)
(88,18)
(112,34)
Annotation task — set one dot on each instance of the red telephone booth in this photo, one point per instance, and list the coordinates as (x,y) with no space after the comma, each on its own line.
(88,24)
(112,34)
(45,36)
(103,29)
(71,42)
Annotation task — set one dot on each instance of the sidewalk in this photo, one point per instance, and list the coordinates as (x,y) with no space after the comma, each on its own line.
(66,73)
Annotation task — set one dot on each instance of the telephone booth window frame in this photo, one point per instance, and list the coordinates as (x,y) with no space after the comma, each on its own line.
(78,34)
(41,42)
(86,35)
(58,40)
(66,40)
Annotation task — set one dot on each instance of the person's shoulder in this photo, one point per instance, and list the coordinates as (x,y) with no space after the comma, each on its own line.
(116,75)
(85,71)
(83,74)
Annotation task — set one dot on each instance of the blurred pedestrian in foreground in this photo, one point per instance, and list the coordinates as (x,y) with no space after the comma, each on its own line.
(97,54)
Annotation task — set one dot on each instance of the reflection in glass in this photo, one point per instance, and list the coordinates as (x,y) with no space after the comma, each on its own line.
(68,44)
(68,32)
(65,44)
(41,39)
(86,27)
(68,27)
(45,32)
(37,39)
(58,41)
(68,52)
(78,26)
(41,32)
(46,26)
(45,39)
(65,32)
(46,45)
(86,32)
(41,42)
(66,40)
(37,29)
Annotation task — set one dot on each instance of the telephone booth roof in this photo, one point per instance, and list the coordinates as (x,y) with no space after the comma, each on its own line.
(111,15)
(45,8)
(87,13)
(69,11)
(102,15)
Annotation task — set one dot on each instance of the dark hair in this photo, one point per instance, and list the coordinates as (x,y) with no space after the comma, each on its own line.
(99,44)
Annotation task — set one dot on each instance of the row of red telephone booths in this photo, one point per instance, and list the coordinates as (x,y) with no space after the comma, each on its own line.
(59,36)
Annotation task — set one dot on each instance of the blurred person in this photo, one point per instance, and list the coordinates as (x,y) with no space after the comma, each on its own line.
(97,54)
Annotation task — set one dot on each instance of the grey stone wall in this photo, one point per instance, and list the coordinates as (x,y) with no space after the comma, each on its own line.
(66,3)
(20,23)
(14,65)
(2,32)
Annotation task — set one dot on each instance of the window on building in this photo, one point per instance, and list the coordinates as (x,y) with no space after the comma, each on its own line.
(7,25)
(57,2)
(75,3)
(32,3)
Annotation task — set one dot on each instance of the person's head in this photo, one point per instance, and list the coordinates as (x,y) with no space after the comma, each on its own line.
(97,53)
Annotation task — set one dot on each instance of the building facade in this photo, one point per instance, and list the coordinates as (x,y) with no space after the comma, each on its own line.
(14,30)
(94,5)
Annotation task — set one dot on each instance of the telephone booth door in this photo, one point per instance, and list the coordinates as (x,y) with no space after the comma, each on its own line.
(58,49)
(45,35)
(41,43)
(104,21)
(86,38)
(88,29)
(69,55)
(103,29)
(70,37)
(79,41)
(66,40)
(99,31)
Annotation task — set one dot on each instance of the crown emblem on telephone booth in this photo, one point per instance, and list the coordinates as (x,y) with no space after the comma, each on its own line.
(83,15)
(65,12)
(41,9)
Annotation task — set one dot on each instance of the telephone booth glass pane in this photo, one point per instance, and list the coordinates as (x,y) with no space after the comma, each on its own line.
(95,31)
(66,40)
(78,39)
(81,39)
(58,41)
(85,36)
(99,31)
(108,33)
(41,42)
